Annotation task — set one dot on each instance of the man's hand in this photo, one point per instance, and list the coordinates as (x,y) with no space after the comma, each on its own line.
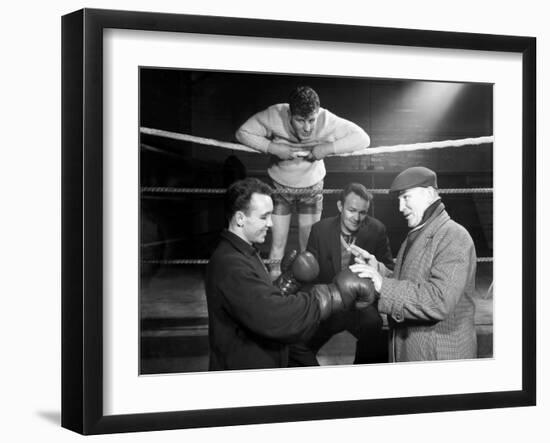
(365,271)
(285,151)
(364,256)
(320,151)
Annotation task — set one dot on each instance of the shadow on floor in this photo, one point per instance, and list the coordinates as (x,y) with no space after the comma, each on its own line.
(54,417)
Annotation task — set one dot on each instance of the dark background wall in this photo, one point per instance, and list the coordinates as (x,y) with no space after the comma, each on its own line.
(215,104)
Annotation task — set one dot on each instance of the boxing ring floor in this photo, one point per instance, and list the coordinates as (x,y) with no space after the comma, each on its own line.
(174,322)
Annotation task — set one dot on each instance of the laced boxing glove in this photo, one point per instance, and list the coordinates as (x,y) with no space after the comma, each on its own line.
(288,259)
(296,269)
(346,290)
(355,289)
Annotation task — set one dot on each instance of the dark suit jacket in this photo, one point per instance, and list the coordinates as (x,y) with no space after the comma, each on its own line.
(251,324)
(324,244)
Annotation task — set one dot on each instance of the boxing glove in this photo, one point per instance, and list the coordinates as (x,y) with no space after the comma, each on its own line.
(297,269)
(355,290)
(346,290)
(287,260)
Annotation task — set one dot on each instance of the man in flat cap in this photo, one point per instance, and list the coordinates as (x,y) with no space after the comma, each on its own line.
(428,296)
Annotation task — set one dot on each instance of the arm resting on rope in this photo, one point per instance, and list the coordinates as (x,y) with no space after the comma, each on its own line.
(257,131)
(346,137)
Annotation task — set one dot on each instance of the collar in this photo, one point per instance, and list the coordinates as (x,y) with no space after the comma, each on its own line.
(436,208)
(346,243)
(238,243)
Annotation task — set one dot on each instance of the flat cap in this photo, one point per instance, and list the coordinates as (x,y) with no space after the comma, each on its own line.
(415,177)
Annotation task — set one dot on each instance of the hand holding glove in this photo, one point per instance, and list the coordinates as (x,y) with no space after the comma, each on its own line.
(346,290)
(355,290)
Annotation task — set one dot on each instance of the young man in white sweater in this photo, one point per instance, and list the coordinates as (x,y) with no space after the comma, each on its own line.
(298,135)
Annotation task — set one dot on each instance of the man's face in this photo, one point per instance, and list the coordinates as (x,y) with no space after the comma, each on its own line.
(412,204)
(257,220)
(304,126)
(352,213)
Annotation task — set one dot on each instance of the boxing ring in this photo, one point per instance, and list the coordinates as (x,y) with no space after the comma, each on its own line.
(186,325)
(379,150)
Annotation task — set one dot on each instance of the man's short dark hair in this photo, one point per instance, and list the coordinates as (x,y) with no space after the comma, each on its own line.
(355,188)
(303,101)
(239,194)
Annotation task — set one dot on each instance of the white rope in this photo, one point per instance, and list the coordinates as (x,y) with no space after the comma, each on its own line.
(368,151)
(195,139)
(297,191)
(428,145)
(194,261)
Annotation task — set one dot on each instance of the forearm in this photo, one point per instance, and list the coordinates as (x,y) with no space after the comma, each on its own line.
(433,295)
(255,141)
(351,142)
(261,307)
(420,301)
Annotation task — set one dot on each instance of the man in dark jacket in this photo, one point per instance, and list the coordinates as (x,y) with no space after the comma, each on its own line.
(335,242)
(251,323)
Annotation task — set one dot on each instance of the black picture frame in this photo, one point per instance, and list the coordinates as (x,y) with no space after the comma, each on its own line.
(82,220)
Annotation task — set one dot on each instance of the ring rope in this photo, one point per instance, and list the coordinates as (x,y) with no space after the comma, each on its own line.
(471,141)
(175,190)
(267,261)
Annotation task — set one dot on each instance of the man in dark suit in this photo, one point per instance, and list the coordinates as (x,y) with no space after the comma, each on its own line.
(251,323)
(335,242)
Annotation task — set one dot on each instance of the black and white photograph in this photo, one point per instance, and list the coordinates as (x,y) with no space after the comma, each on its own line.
(272,221)
(295,220)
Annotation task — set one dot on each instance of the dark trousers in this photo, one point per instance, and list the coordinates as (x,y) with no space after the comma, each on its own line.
(365,325)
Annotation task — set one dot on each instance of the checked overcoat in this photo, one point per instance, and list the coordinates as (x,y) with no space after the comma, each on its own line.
(429,296)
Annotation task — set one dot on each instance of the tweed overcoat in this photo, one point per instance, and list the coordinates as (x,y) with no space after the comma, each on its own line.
(429,297)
